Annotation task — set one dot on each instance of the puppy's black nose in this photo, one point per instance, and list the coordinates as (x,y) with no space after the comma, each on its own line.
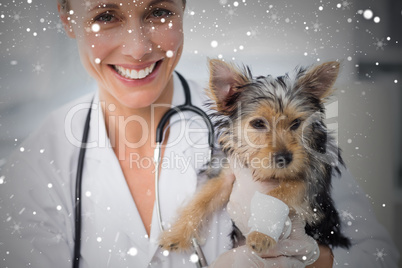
(283,159)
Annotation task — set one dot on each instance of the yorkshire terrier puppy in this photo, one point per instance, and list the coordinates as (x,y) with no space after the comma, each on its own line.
(278,121)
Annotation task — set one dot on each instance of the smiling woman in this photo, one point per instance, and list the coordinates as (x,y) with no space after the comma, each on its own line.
(131,50)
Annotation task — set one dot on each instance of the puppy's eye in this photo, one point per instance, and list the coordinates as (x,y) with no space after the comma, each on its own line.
(258,124)
(295,124)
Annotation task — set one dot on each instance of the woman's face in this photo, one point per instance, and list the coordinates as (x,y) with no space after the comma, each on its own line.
(130,47)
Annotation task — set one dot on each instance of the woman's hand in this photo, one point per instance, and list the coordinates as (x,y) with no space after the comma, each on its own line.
(297,250)
(294,247)
(325,260)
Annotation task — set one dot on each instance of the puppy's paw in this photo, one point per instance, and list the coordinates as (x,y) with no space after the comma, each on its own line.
(260,242)
(175,239)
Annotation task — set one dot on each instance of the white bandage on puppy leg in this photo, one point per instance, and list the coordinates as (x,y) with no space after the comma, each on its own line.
(269,215)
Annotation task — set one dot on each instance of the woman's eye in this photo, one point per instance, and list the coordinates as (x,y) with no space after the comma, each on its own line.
(105,18)
(258,124)
(158,13)
(295,124)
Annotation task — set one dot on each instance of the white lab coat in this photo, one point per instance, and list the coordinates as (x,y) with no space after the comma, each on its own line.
(37,189)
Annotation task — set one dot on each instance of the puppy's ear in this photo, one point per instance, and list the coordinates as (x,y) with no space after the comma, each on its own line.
(320,79)
(224,81)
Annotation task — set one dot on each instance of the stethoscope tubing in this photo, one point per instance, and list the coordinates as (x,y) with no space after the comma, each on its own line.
(78,190)
(187,106)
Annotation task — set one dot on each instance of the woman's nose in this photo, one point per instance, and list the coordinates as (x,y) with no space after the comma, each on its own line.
(137,42)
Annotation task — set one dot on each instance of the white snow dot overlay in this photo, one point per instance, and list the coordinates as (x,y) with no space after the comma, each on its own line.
(169,53)
(97,60)
(368,14)
(95,27)
(214,43)
(111,107)
(132,251)
(194,258)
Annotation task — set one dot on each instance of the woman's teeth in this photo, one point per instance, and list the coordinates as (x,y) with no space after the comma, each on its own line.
(134,74)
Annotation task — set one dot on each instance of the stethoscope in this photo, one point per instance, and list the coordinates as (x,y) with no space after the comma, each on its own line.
(187,106)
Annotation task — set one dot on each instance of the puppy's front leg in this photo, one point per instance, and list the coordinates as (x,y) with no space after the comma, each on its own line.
(212,196)
(291,193)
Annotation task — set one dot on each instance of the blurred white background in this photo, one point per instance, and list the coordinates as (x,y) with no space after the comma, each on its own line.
(40,70)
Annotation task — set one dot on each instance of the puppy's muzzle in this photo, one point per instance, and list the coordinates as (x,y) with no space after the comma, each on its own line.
(283,159)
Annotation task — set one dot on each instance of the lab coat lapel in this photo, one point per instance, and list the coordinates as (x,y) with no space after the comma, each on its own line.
(106,195)
(178,179)
(176,183)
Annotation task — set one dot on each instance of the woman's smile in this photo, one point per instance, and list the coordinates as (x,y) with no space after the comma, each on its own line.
(133,76)
(134,73)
